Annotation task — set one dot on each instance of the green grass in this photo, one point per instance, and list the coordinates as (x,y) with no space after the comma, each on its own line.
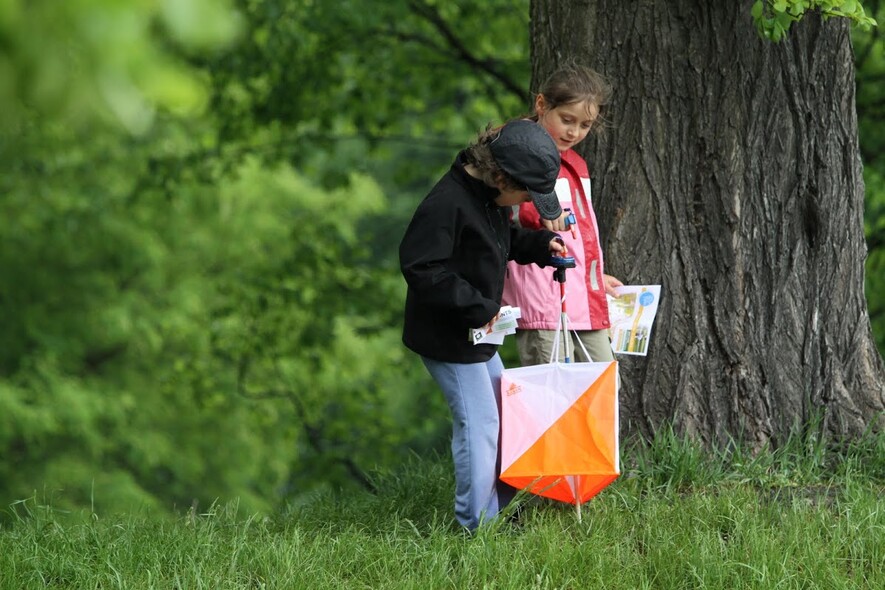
(808,515)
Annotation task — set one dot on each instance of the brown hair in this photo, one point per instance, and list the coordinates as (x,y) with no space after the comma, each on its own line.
(574,83)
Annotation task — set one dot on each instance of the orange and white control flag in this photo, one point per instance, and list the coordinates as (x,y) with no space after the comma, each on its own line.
(559,429)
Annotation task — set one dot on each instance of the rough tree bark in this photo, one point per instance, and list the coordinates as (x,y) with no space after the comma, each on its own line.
(730,173)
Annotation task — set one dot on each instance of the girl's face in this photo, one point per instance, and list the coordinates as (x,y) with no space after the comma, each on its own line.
(568,124)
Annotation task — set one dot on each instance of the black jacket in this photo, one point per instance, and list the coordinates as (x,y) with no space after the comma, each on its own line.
(454,257)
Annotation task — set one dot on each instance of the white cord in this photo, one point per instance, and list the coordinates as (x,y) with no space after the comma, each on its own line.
(554,353)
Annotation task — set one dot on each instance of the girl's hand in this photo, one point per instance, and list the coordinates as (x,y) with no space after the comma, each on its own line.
(611,284)
(556,224)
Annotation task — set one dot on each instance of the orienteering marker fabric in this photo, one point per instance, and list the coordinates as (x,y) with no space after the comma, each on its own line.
(559,429)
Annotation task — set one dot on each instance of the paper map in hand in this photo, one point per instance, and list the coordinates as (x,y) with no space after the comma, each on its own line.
(505,324)
(632,314)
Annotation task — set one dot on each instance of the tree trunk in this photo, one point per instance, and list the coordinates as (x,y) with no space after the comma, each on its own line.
(730,174)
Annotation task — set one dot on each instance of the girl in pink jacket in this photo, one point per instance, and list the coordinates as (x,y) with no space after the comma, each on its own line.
(567,107)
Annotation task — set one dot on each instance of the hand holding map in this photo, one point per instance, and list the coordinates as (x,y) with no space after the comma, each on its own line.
(632,313)
(503,324)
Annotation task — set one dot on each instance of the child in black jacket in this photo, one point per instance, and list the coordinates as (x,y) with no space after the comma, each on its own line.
(454,257)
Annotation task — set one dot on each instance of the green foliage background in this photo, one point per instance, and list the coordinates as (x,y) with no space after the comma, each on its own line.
(199,294)
(870,60)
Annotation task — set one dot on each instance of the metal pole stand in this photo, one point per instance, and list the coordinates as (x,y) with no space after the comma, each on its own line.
(560,263)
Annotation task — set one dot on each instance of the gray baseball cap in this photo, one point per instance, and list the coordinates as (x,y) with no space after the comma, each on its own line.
(525,151)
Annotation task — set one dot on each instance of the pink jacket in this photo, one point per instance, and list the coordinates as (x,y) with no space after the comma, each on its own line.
(534,290)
